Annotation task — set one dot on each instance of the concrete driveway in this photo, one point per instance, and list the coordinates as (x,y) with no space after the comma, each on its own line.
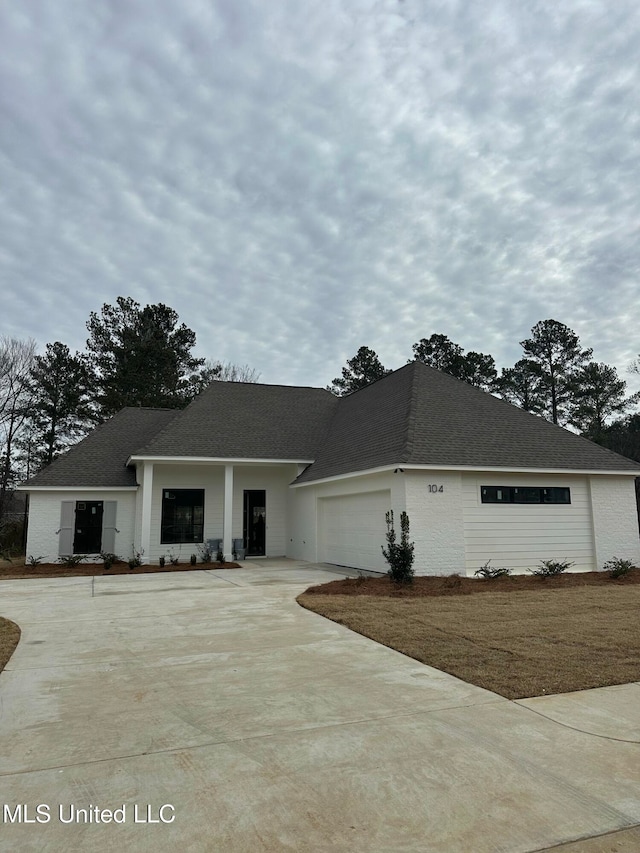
(260,726)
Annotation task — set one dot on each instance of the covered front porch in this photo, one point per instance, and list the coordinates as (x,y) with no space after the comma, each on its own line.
(184,507)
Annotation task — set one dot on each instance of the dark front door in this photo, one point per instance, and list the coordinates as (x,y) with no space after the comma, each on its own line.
(87,537)
(255,522)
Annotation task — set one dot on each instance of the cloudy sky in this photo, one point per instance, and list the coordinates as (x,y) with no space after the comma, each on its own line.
(298,180)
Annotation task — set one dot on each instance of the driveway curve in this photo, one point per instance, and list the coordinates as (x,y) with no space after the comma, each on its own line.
(209,711)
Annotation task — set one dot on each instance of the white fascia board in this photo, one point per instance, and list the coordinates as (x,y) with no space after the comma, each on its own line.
(217,460)
(76,488)
(470,468)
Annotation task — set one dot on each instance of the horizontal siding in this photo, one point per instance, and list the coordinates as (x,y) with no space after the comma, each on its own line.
(519,536)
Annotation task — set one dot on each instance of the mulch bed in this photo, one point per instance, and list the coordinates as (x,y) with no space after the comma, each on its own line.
(456,585)
(10,571)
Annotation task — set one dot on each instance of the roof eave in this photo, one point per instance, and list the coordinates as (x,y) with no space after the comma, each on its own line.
(226,460)
(27,488)
(401,467)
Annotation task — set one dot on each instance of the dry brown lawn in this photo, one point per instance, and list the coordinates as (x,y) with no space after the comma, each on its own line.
(9,636)
(518,637)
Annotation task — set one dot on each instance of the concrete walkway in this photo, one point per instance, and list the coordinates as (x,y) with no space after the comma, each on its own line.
(268,728)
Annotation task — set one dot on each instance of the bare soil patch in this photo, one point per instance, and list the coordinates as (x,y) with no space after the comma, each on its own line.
(16,570)
(9,637)
(517,636)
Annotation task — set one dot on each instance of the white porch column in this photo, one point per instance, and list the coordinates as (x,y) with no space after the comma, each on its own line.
(227,544)
(145,523)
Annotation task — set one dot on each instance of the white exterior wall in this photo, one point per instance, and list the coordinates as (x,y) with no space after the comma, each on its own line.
(274,479)
(436,521)
(615,519)
(304,508)
(44,520)
(519,536)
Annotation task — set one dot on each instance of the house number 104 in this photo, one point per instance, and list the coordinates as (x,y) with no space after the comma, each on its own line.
(435,488)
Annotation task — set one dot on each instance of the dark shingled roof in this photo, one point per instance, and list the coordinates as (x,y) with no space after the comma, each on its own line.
(100,459)
(250,421)
(415,415)
(422,416)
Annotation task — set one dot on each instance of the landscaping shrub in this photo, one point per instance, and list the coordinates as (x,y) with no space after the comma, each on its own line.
(70,561)
(399,556)
(488,573)
(34,561)
(193,559)
(108,559)
(205,553)
(618,567)
(551,568)
(136,558)
(220,556)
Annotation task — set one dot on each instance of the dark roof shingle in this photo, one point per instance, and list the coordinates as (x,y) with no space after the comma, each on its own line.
(100,459)
(415,415)
(421,416)
(246,420)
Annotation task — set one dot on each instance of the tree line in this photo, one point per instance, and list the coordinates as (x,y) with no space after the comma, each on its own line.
(134,356)
(142,356)
(556,378)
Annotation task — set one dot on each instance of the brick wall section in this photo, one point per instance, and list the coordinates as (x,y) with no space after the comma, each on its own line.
(615,519)
(436,521)
(44,520)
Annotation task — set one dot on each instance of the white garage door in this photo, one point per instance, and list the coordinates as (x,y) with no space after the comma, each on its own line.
(352,528)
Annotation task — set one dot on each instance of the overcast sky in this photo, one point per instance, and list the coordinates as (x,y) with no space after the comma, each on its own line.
(301,179)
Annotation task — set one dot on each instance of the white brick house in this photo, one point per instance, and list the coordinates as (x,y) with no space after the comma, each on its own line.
(279,470)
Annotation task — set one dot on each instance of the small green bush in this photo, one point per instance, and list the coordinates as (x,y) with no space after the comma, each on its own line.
(70,561)
(162,561)
(618,567)
(220,556)
(193,559)
(399,555)
(34,561)
(551,568)
(488,573)
(108,559)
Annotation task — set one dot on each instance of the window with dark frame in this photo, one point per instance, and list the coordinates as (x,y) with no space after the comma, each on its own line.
(525,495)
(182,516)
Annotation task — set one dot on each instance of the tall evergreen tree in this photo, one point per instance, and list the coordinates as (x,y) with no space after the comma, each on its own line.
(556,349)
(596,395)
(361,370)
(141,357)
(441,353)
(520,385)
(61,412)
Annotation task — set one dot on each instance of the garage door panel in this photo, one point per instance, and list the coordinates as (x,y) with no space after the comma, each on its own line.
(352,530)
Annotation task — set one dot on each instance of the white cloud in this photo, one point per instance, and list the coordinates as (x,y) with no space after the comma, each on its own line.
(298,181)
